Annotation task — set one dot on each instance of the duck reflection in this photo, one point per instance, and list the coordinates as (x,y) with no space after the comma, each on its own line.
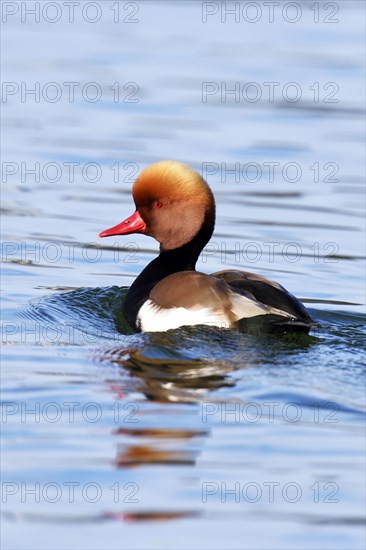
(156,448)
(184,365)
(171,367)
(177,371)
(169,371)
(165,515)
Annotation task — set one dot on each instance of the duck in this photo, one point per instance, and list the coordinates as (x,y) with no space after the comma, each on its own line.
(175,206)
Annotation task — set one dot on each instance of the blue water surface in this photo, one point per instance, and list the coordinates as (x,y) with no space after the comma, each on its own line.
(194,438)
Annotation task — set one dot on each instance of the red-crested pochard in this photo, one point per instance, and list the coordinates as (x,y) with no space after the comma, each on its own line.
(176,206)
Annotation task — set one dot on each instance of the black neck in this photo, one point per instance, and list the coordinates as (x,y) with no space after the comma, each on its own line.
(167,263)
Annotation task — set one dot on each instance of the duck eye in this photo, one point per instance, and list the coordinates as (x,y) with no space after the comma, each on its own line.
(157,204)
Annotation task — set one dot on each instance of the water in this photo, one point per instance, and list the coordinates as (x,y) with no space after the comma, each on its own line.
(194,438)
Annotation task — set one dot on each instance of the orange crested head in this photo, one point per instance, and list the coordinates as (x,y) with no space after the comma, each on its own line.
(170,181)
(173,204)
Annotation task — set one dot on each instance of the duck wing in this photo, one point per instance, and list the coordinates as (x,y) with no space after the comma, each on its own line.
(228,299)
(271,294)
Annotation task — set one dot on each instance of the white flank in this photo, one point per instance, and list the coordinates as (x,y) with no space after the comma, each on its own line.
(153,318)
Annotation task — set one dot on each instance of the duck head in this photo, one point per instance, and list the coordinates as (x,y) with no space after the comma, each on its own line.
(173,204)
